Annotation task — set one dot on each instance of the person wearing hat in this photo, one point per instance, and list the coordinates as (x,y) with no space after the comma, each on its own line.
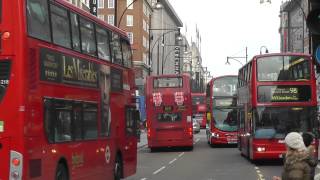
(296,165)
(313,161)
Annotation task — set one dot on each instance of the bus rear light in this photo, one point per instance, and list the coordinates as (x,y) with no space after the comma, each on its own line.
(5,36)
(15,162)
(149,133)
(16,170)
(190,131)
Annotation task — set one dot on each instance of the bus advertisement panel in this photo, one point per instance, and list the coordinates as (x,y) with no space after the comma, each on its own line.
(222,110)
(277,95)
(169,111)
(199,108)
(67,108)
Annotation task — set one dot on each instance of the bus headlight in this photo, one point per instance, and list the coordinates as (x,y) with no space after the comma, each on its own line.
(215,135)
(261,149)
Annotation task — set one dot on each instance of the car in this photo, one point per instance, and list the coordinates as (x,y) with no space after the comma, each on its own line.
(196,126)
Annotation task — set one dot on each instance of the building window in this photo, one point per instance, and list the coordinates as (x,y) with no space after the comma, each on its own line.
(86,2)
(144,42)
(145,58)
(101,16)
(101,4)
(144,9)
(130,36)
(110,4)
(144,25)
(111,19)
(129,20)
(130,4)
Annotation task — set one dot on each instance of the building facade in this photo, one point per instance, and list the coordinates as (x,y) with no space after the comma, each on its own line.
(293,30)
(166,45)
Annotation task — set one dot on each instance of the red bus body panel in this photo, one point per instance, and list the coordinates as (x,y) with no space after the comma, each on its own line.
(247,96)
(224,137)
(22,127)
(169,134)
(200,108)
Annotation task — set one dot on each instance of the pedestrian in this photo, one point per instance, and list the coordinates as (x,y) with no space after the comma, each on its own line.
(307,139)
(296,165)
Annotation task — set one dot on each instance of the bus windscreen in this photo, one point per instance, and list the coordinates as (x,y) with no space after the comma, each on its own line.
(276,122)
(225,119)
(225,86)
(283,68)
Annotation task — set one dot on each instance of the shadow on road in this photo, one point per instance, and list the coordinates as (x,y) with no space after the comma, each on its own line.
(269,162)
(171,149)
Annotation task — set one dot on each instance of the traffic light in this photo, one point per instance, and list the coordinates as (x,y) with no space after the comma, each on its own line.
(313,23)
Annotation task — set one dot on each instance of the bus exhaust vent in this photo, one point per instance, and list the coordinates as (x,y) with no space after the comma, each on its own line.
(5,67)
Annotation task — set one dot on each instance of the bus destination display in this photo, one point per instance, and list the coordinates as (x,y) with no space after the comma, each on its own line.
(284,93)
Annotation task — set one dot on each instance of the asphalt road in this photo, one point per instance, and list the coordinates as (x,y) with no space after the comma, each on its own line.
(203,163)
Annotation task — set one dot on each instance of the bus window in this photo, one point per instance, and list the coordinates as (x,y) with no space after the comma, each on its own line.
(77,123)
(116,49)
(60,26)
(90,121)
(38,19)
(131,121)
(169,117)
(62,130)
(87,37)
(126,53)
(103,43)
(75,31)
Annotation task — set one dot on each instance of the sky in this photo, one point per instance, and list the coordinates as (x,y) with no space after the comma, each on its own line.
(227,27)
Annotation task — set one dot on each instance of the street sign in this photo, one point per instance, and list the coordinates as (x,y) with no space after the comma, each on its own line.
(318,54)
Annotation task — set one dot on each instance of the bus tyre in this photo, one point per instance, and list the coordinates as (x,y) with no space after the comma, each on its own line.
(118,167)
(61,173)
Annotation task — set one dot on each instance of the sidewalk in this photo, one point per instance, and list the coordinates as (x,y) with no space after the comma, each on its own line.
(143,139)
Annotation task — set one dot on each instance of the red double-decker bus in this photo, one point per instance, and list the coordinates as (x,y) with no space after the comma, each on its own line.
(199,108)
(169,111)
(67,109)
(276,95)
(222,110)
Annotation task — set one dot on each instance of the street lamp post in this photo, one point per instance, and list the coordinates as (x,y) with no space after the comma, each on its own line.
(124,11)
(235,58)
(157,42)
(165,59)
(267,51)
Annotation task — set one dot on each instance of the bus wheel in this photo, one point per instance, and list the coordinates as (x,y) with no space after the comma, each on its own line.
(118,168)
(61,173)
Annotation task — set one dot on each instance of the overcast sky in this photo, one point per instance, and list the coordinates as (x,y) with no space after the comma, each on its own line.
(227,27)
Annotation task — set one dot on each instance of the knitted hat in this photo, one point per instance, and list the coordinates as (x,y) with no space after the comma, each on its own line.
(294,140)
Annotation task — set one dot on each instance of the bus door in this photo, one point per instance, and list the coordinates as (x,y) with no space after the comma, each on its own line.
(131,132)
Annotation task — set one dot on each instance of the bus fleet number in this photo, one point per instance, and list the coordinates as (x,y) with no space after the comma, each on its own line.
(4,82)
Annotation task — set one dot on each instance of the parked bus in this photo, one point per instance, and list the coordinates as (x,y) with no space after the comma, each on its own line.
(199,108)
(67,109)
(168,105)
(222,110)
(276,95)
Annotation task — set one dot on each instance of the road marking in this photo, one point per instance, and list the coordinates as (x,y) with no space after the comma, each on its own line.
(144,179)
(173,161)
(260,175)
(181,154)
(157,171)
(198,140)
